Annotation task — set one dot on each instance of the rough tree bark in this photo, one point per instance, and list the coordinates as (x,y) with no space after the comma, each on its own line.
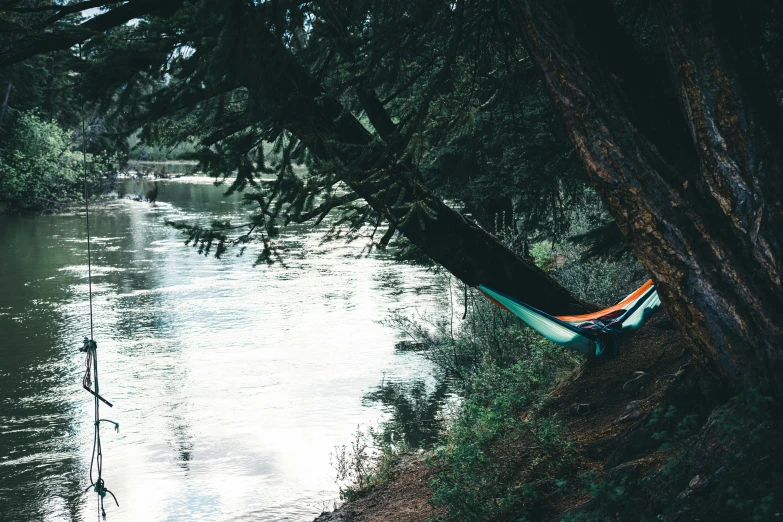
(708,232)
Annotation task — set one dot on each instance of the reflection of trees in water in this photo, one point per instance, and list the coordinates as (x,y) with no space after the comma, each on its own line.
(390,281)
(40,465)
(414,410)
(182,442)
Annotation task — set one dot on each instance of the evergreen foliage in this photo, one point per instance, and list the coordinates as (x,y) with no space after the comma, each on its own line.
(495,457)
(444,88)
(383,109)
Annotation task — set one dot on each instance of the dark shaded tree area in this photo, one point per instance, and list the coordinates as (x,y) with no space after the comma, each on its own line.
(235,76)
(685,151)
(41,111)
(671,108)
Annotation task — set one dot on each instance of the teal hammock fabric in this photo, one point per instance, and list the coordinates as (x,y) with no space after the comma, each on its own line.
(599,333)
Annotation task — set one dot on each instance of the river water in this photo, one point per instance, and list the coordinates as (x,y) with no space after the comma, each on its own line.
(231,384)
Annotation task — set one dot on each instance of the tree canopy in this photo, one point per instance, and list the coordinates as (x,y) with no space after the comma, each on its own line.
(410,115)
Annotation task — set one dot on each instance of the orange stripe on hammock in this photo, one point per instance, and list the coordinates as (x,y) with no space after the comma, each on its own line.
(622,305)
(493,301)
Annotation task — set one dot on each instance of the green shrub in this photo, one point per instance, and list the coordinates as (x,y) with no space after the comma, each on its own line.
(369,460)
(600,281)
(603,280)
(39,167)
(488,336)
(494,458)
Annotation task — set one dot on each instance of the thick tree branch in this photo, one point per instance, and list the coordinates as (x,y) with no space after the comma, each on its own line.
(68,37)
(331,132)
(286,91)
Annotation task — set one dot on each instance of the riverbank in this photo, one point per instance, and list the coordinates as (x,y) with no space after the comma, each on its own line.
(58,207)
(405,497)
(644,440)
(229,403)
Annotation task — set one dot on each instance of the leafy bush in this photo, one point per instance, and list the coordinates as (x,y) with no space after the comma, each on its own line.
(600,281)
(491,458)
(494,458)
(497,459)
(40,166)
(487,336)
(368,460)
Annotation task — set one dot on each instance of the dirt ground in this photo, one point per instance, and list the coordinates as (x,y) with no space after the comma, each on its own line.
(601,402)
(405,498)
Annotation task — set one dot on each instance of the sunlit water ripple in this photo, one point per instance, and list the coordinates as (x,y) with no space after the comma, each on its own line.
(231,384)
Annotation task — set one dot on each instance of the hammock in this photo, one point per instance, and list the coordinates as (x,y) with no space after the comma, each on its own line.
(599,332)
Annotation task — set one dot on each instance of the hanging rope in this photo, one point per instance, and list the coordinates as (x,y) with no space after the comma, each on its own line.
(87,212)
(465,315)
(91,361)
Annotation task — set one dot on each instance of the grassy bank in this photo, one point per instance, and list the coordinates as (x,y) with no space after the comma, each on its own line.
(541,435)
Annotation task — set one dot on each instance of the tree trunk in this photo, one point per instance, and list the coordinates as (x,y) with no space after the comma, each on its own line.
(287,93)
(283,87)
(709,231)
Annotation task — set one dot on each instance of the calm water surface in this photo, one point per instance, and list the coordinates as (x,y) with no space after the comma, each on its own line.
(231,384)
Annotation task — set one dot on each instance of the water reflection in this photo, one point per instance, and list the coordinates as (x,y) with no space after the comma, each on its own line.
(231,384)
(38,446)
(414,409)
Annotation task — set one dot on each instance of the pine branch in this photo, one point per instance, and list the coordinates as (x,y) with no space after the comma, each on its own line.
(68,37)
(322,210)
